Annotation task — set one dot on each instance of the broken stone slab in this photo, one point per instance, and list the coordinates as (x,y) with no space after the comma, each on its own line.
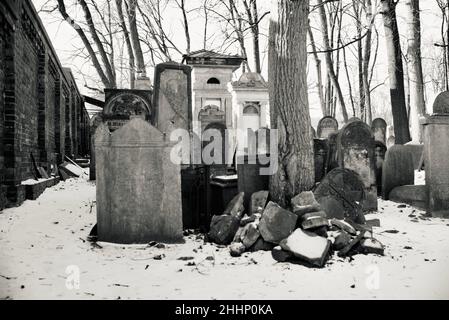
(340,239)
(343,225)
(250,234)
(236,249)
(247,219)
(235,207)
(238,235)
(258,201)
(305,198)
(261,244)
(223,228)
(71,169)
(280,255)
(371,245)
(351,245)
(414,195)
(307,246)
(276,223)
(314,222)
(332,206)
(301,210)
(306,216)
(320,231)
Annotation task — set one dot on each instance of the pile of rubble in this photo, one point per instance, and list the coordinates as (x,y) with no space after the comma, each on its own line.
(303,234)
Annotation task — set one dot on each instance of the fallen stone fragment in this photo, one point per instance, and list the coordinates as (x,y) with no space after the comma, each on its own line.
(185,258)
(372,245)
(159,257)
(343,225)
(307,246)
(306,216)
(345,251)
(301,210)
(238,235)
(236,249)
(342,239)
(223,228)
(276,223)
(235,207)
(280,255)
(359,227)
(261,244)
(305,198)
(258,201)
(391,231)
(314,222)
(250,234)
(247,219)
(320,231)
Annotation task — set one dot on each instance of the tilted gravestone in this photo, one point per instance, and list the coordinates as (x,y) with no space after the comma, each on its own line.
(320,149)
(341,189)
(355,144)
(138,186)
(122,105)
(441,103)
(326,126)
(172,97)
(379,128)
(397,169)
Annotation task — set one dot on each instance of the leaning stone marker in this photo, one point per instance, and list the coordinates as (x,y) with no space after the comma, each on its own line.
(356,152)
(379,128)
(326,126)
(397,169)
(138,187)
(276,223)
(436,159)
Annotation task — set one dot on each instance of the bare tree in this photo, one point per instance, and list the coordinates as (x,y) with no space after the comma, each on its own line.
(288,99)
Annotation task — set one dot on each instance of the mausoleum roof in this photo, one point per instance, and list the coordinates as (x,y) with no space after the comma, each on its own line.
(208,57)
(250,80)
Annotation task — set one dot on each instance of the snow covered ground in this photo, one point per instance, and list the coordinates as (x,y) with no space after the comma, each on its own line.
(43,247)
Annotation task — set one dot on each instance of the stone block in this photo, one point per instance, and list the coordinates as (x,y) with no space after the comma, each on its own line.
(250,234)
(223,229)
(280,255)
(236,249)
(414,195)
(276,223)
(371,245)
(258,201)
(314,222)
(235,207)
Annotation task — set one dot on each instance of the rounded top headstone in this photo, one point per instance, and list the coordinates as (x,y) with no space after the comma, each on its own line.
(355,133)
(379,123)
(326,126)
(441,103)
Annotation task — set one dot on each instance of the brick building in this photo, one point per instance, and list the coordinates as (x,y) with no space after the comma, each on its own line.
(42,114)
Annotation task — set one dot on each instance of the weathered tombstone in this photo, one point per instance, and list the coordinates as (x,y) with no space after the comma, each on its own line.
(355,143)
(354,119)
(122,105)
(326,126)
(332,160)
(441,103)
(379,158)
(172,97)
(263,140)
(379,128)
(344,186)
(320,149)
(436,159)
(138,186)
(94,123)
(416,152)
(397,169)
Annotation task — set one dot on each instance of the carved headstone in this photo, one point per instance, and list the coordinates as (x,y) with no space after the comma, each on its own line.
(397,169)
(138,187)
(122,105)
(356,152)
(441,103)
(172,97)
(326,126)
(379,128)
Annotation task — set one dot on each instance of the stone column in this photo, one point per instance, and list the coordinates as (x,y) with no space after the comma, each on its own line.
(436,159)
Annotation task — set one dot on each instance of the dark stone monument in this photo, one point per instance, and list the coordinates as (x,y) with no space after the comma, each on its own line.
(355,143)
(379,157)
(332,157)
(138,186)
(326,126)
(397,169)
(122,105)
(441,103)
(172,97)
(345,187)
(379,128)
(320,149)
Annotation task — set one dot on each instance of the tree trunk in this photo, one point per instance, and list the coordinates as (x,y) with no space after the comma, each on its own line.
(132,71)
(366,60)
(396,72)
(287,56)
(135,37)
(318,71)
(417,103)
(329,63)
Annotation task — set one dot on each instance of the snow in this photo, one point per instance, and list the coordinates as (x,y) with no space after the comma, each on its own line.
(33,181)
(44,238)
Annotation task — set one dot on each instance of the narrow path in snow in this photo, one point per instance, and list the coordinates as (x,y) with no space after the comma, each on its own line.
(43,245)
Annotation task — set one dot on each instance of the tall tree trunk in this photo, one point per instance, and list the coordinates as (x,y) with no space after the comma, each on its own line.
(318,71)
(132,6)
(287,56)
(358,22)
(132,71)
(396,72)
(417,103)
(329,63)
(366,60)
